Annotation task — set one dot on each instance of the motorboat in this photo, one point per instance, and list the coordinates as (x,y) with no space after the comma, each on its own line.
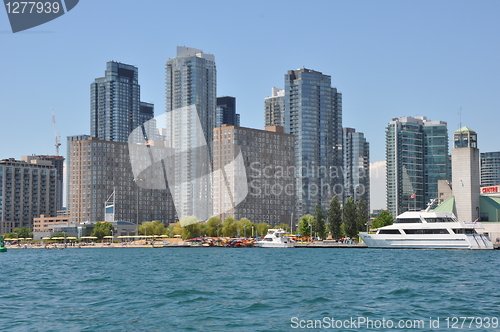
(428,230)
(275,238)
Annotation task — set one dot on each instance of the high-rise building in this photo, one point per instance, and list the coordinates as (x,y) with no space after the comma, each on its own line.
(416,157)
(226,112)
(101,169)
(313,114)
(269,161)
(356,151)
(191,100)
(58,163)
(275,108)
(70,139)
(27,190)
(115,106)
(490,169)
(465,177)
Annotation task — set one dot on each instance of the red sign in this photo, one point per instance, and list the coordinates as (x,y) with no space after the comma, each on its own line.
(487,190)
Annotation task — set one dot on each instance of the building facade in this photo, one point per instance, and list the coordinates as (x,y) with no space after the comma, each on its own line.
(26,191)
(269,163)
(226,112)
(101,169)
(115,106)
(465,177)
(313,114)
(191,100)
(416,158)
(490,169)
(356,151)
(275,108)
(58,163)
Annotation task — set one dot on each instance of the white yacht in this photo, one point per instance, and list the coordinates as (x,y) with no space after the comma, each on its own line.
(275,238)
(428,230)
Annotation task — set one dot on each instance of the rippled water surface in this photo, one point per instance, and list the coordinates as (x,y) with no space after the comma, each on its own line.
(250,289)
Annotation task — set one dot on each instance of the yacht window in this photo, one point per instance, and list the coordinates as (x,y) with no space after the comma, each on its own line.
(431,220)
(426,231)
(389,231)
(408,220)
(464,231)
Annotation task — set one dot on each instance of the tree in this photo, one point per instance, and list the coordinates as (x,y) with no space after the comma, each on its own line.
(350,218)
(102,229)
(363,215)
(174,230)
(229,227)
(305,225)
(152,228)
(319,221)
(335,218)
(192,230)
(384,219)
(23,232)
(262,228)
(213,226)
(244,227)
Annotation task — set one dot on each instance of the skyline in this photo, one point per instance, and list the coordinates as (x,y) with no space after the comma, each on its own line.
(388,59)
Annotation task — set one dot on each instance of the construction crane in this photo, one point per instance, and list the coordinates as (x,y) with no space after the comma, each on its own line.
(56,134)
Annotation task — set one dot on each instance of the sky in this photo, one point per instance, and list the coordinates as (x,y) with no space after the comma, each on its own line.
(387,58)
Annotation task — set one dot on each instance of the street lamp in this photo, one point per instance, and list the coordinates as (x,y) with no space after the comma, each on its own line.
(244,230)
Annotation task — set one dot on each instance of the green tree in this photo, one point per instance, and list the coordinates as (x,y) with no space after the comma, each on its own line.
(319,222)
(335,218)
(229,227)
(244,226)
(262,228)
(175,229)
(305,225)
(192,230)
(152,228)
(213,226)
(23,232)
(384,219)
(350,218)
(102,229)
(363,215)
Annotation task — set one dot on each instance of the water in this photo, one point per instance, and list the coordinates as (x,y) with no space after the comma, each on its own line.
(247,289)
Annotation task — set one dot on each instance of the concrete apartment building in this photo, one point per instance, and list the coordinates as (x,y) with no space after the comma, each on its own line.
(269,162)
(26,191)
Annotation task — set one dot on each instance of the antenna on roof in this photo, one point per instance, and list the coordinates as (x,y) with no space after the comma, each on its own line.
(460,118)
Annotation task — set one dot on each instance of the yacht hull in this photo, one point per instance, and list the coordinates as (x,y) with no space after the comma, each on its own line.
(451,241)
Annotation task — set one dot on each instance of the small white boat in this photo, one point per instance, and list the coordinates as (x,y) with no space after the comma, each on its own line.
(428,230)
(275,238)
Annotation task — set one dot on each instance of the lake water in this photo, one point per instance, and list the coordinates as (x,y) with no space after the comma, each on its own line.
(248,289)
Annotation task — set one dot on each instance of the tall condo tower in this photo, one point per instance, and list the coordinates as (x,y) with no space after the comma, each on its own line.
(313,114)
(191,100)
(465,178)
(417,157)
(356,166)
(115,106)
(275,108)
(226,112)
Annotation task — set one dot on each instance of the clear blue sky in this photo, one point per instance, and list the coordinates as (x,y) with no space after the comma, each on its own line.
(388,58)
